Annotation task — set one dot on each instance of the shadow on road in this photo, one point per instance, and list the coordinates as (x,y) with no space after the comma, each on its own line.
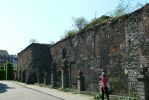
(4,87)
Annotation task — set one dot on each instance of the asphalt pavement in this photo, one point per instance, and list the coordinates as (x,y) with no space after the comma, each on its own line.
(12,90)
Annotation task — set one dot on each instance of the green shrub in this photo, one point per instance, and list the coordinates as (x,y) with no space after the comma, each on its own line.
(70,33)
(98,96)
(117,86)
(64,89)
(98,21)
(9,71)
(2,74)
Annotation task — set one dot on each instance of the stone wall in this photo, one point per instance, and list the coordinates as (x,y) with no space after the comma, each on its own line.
(143,76)
(34,63)
(91,52)
(118,46)
(24,61)
(113,47)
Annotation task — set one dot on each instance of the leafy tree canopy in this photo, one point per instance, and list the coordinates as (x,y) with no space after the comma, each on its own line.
(80,22)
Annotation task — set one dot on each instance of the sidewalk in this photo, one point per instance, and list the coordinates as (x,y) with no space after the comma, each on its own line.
(57,93)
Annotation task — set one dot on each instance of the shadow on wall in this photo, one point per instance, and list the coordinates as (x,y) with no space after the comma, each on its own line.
(4,87)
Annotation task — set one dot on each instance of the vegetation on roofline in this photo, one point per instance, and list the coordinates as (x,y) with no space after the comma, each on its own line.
(78,24)
(81,24)
(95,22)
(98,21)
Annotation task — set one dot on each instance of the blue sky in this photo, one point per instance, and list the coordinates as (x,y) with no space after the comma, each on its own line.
(44,20)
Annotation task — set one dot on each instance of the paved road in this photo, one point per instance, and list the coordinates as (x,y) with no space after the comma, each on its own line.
(13,91)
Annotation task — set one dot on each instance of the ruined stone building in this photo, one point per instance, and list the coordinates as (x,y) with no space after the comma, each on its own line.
(34,63)
(118,46)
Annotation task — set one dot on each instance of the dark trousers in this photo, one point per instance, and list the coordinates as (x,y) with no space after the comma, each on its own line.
(105,91)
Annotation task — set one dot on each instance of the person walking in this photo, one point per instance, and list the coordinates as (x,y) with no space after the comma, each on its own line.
(104,80)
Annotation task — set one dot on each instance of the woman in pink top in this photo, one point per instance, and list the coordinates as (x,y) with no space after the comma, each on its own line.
(104,80)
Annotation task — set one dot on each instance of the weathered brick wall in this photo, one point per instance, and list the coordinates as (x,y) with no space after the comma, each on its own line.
(90,53)
(33,62)
(41,58)
(105,47)
(119,47)
(134,31)
(24,61)
(143,77)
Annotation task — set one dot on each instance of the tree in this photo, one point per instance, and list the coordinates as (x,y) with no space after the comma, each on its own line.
(70,33)
(78,25)
(33,41)
(51,42)
(80,22)
(9,71)
(126,6)
(122,8)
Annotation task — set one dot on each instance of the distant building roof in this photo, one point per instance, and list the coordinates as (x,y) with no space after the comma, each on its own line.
(4,52)
(34,44)
(13,55)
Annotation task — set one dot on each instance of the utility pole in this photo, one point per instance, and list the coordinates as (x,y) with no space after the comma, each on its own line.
(6,70)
